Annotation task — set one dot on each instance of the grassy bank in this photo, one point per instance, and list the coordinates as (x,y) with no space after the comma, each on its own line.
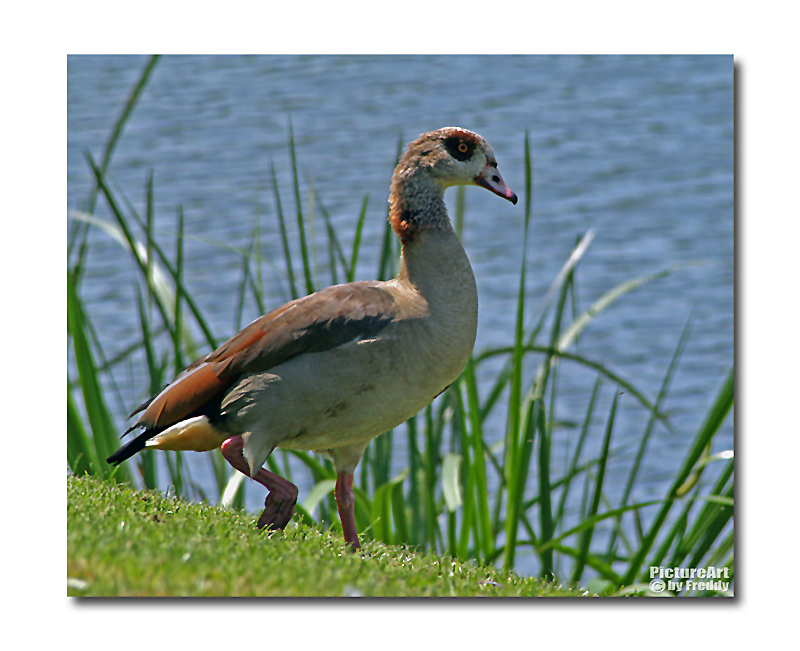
(123,542)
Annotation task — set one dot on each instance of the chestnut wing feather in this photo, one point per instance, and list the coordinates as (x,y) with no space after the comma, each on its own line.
(329,318)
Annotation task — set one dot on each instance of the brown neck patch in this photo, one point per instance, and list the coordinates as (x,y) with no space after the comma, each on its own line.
(405,224)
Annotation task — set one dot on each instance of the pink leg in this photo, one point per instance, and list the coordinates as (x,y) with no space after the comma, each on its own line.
(282,493)
(346,501)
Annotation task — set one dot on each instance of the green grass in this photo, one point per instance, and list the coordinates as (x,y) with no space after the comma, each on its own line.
(122,542)
(471,488)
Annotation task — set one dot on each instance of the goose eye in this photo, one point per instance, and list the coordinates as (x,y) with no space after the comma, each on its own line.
(460,147)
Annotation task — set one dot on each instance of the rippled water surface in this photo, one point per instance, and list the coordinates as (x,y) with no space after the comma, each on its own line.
(638,148)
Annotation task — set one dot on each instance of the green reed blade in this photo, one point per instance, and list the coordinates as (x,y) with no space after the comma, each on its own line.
(662,393)
(240,295)
(605,570)
(160,285)
(146,460)
(614,377)
(484,523)
(591,521)
(565,273)
(388,257)
(537,394)
(104,435)
(319,491)
(287,252)
(586,536)
(513,438)
(714,419)
(606,300)
(335,251)
(399,515)
(577,452)
(414,499)
(81,454)
(351,269)
(177,351)
(723,516)
(703,520)
(300,221)
(119,125)
(131,241)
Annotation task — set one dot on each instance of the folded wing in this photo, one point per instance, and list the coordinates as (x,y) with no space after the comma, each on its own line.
(322,321)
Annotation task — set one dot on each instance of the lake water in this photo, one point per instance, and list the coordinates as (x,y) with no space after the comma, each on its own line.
(638,148)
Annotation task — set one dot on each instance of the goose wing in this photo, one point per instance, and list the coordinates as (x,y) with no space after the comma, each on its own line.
(329,318)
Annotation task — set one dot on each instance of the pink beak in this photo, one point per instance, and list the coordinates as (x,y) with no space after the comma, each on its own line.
(490,179)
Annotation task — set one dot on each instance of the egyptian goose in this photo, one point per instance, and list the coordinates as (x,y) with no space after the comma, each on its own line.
(331,371)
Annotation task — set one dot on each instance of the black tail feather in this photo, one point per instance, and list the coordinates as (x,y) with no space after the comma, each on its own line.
(131,447)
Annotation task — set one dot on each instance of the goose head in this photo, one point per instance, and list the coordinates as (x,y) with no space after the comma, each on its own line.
(454,156)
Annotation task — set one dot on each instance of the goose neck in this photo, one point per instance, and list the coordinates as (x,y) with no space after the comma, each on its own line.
(416,205)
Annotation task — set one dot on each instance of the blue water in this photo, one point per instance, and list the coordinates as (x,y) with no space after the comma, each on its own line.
(638,148)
